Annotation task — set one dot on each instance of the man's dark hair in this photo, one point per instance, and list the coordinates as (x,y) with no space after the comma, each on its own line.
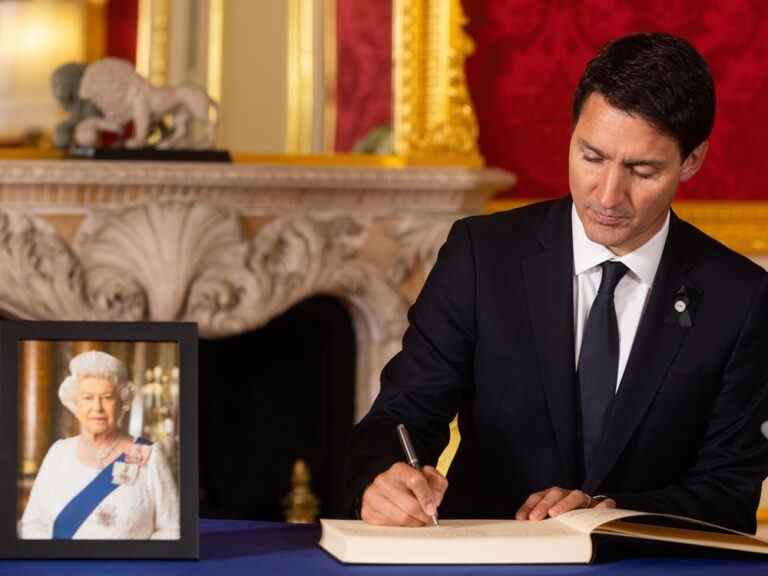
(658,77)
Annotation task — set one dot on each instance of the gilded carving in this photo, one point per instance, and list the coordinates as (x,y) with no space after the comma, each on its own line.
(433,115)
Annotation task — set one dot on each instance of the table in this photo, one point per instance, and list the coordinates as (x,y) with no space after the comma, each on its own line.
(235,547)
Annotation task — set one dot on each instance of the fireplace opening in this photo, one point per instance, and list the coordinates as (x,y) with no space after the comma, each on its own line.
(269,397)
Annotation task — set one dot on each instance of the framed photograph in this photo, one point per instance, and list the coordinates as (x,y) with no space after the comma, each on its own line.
(98,453)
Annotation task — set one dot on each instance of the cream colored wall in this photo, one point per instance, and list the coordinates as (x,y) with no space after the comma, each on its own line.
(35,38)
(253,87)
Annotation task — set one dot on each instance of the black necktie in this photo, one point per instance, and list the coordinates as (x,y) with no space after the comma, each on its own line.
(599,362)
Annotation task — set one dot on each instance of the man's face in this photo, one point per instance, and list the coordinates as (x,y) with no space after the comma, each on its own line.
(623,174)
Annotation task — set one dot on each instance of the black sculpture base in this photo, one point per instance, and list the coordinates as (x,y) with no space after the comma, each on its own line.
(150,154)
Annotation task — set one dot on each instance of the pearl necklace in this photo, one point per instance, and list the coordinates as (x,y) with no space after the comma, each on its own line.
(101,455)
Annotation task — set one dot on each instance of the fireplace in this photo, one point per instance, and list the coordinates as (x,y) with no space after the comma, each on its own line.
(269,397)
(235,248)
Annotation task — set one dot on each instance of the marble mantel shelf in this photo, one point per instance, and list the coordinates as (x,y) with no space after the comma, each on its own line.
(252,188)
(229,246)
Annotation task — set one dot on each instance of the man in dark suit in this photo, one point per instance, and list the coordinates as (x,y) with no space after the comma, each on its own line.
(599,351)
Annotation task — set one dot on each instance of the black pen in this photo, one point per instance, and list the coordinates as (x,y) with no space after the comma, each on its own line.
(410,454)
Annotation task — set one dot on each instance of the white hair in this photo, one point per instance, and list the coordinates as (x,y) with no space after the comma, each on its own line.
(99,364)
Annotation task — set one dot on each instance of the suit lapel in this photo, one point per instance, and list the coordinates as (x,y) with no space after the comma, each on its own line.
(549,289)
(657,342)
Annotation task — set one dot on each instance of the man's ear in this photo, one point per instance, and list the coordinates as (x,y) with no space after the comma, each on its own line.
(694,161)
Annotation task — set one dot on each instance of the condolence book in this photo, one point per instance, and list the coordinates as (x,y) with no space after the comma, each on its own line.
(565,539)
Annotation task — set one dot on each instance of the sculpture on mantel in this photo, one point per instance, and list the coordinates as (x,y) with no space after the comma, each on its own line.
(65,83)
(108,94)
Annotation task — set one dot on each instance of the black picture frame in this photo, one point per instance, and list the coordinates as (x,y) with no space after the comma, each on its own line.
(12,334)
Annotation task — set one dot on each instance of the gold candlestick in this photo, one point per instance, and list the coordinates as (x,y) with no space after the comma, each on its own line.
(301,505)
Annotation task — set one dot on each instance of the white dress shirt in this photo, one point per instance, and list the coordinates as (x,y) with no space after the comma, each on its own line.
(631,293)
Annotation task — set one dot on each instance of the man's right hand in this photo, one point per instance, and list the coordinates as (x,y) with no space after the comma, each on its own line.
(403,496)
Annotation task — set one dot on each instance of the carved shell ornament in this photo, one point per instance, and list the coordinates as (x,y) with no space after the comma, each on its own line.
(140,261)
(191,261)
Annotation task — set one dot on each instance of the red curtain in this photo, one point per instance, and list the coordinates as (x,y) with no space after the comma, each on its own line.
(530,54)
(364,101)
(122,21)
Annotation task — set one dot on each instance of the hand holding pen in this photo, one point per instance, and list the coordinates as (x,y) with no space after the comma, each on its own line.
(413,460)
(404,495)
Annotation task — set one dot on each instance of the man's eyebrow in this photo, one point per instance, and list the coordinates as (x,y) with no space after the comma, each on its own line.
(584,144)
(629,162)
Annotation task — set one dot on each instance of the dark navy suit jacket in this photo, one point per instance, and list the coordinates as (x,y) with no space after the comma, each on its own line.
(491,336)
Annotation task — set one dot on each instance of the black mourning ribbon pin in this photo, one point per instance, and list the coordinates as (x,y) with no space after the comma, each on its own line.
(682,308)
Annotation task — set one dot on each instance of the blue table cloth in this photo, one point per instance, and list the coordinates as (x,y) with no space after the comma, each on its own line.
(232,548)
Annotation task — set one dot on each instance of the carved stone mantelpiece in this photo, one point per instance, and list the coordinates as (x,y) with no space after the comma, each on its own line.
(228,246)
(252,189)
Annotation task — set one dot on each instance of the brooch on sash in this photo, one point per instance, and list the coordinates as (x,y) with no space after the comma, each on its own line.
(106,516)
(125,473)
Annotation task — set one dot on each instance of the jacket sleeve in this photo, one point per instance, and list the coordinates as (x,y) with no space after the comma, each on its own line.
(723,485)
(421,385)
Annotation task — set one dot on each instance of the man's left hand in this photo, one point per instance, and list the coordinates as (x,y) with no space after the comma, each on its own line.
(555,501)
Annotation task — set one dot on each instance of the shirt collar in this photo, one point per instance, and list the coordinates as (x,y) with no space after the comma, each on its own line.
(642,262)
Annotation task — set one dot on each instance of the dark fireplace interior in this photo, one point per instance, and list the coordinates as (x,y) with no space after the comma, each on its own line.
(270,396)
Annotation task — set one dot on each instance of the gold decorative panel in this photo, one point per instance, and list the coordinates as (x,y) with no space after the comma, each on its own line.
(433,115)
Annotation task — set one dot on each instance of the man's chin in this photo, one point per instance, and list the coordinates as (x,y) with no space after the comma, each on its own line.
(605,235)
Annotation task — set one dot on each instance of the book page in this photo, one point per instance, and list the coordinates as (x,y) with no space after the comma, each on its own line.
(730,540)
(453,529)
(586,520)
(456,542)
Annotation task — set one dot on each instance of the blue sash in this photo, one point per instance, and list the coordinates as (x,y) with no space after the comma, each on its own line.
(85,502)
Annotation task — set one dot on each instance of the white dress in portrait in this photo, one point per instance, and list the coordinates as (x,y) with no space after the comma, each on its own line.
(147,508)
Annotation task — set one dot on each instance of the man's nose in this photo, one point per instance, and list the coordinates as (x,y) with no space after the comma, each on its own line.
(613,187)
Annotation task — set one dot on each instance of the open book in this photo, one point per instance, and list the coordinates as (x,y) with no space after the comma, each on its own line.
(564,539)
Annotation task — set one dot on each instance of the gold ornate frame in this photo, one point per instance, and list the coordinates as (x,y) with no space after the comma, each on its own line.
(433,120)
(433,115)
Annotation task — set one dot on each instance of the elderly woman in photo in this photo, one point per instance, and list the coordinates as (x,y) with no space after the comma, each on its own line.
(101,484)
